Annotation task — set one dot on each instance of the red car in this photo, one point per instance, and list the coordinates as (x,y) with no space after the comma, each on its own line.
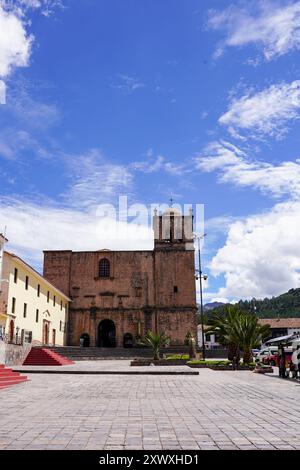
(273,359)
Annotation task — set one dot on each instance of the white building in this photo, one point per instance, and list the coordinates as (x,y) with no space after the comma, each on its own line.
(209,339)
(31,308)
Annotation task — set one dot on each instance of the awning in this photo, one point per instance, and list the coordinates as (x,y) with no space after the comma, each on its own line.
(295,341)
(280,339)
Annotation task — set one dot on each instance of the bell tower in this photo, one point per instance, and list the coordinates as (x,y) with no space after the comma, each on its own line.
(173,230)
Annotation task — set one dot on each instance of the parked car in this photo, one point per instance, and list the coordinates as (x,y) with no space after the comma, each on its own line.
(255,352)
(266,352)
(273,359)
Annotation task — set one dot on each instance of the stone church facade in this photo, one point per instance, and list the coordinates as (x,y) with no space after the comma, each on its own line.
(117,296)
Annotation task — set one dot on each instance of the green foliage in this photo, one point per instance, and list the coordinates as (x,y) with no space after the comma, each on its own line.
(177,356)
(284,306)
(238,330)
(210,363)
(156,341)
(217,363)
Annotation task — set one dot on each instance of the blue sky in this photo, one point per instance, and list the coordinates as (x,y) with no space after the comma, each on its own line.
(197,100)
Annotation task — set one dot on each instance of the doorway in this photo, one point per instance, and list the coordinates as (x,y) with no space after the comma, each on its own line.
(85,340)
(107,334)
(46,333)
(11,330)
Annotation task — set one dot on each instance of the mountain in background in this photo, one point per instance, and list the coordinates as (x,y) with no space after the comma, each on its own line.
(212,305)
(286,305)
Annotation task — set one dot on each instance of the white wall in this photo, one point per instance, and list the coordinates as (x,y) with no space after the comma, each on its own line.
(47,310)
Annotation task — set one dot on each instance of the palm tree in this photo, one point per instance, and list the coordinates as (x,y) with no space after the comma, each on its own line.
(221,324)
(238,329)
(156,341)
(250,334)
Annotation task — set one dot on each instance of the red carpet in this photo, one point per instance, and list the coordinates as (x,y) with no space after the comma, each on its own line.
(8,377)
(45,357)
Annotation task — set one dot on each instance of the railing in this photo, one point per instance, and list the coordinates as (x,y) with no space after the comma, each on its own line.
(17,339)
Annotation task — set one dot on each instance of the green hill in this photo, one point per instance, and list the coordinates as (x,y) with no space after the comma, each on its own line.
(283,306)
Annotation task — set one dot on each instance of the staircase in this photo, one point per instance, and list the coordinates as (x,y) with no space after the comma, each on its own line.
(8,377)
(77,353)
(45,357)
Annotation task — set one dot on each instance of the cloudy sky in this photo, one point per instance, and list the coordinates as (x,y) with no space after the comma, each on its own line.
(197,100)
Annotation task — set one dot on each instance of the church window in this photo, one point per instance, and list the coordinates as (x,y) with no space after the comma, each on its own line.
(104,268)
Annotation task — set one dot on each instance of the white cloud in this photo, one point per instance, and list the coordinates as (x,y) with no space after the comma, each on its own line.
(261,256)
(266,113)
(29,110)
(94,180)
(34,227)
(272,26)
(234,166)
(20,7)
(16,144)
(158,163)
(15,43)
(2,92)
(128,84)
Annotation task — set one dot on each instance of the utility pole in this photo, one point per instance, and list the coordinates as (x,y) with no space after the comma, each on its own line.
(200,276)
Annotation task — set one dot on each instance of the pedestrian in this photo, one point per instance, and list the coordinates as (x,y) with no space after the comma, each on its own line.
(282,364)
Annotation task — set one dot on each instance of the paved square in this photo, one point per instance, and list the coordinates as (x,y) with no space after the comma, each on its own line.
(215,410)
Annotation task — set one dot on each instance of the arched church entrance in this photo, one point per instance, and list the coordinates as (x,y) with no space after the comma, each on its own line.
(85,340)
(107,334)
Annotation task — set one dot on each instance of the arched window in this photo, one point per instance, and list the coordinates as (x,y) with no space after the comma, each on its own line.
(104,268)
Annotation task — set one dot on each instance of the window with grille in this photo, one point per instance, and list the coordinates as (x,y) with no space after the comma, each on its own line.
(104,268)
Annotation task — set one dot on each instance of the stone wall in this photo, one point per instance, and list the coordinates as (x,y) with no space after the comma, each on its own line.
(12,354)
(144,290)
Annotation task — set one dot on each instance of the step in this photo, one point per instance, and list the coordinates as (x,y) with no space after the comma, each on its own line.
(8,377)
(11,377)
(46,357)
(6,373)
(13,381)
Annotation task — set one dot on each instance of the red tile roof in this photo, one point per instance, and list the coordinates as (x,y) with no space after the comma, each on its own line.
(280,322)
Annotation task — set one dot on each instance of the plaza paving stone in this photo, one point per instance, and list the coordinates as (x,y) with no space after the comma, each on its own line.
(214,410)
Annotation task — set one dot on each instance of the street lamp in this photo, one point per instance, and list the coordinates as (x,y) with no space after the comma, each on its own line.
(200,277)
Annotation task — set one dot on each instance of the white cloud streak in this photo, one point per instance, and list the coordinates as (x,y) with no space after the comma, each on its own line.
(266,113)
(272,26)
(157,163)
(94,180)
(234,166)
(128,84)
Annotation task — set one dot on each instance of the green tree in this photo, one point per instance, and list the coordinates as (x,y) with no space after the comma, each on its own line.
(221,323)
(156,341)
(238,330)
(249,333)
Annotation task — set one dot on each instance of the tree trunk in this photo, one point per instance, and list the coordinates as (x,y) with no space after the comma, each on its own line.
(247,356)
(233,351)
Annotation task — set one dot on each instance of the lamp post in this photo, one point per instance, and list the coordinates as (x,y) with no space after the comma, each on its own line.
(201,295)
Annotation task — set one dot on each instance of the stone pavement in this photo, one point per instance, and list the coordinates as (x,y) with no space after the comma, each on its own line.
(214,410)
(107,365)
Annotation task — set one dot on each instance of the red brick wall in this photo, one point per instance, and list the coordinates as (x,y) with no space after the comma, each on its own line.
(138,280)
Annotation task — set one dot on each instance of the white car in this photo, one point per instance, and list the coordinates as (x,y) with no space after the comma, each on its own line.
(266,352)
